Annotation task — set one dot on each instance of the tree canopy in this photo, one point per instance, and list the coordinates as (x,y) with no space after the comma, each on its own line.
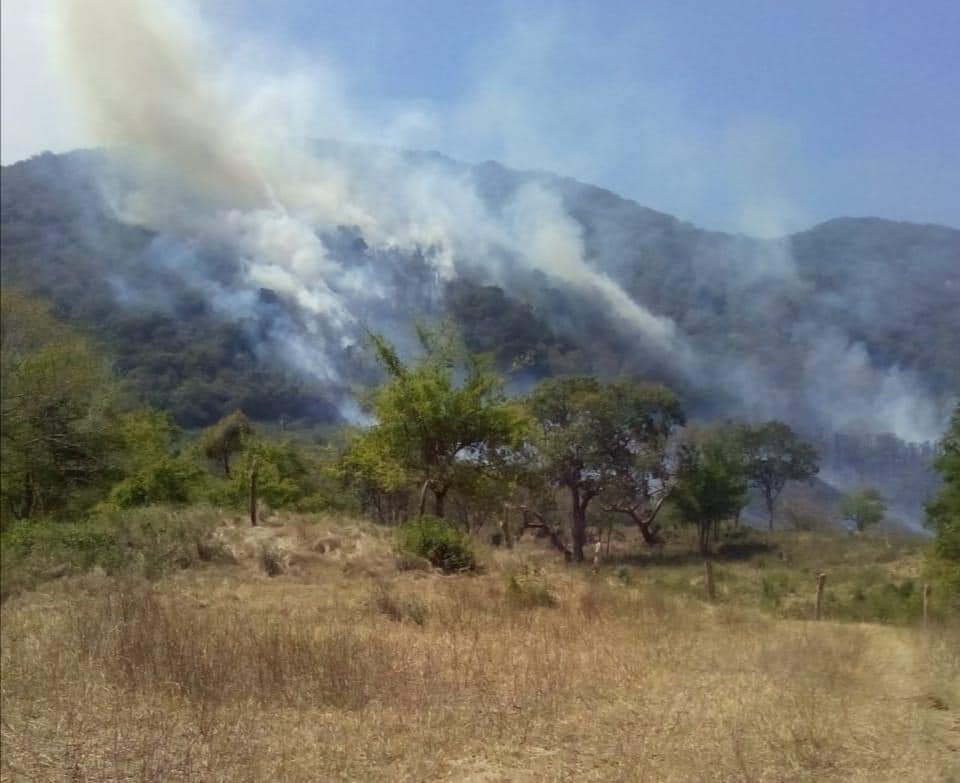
(774,454)
(593,437)
(943,513)
(441,421)
(864,508)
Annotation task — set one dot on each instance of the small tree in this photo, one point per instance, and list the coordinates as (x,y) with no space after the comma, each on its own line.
(943,514)
(773,455)
(863,508)
(593,438)
(225,439)
(712,487)
(440,421)
(58,408)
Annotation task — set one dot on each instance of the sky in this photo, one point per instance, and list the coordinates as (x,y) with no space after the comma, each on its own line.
(737,115)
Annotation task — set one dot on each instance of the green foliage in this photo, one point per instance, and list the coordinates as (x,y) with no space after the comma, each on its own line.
(773,455)
(440,421)
(593,437)
(157,473)
(510,331)
(943,514)
(864,508)
(59,405)
(146,541)
(712,487)
(169,481)
(225,439)
(439,542)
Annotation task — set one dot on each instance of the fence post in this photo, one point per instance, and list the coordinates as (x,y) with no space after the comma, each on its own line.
(708,574)
(821,579)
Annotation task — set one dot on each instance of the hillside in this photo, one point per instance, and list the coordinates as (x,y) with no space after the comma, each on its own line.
(850,327)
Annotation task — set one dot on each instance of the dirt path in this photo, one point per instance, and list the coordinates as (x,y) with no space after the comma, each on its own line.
(906,665)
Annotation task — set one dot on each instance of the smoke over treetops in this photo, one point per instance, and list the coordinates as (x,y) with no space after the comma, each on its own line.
(313,242)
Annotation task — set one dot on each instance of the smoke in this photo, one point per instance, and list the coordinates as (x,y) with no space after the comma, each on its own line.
(221,155)
(211,165)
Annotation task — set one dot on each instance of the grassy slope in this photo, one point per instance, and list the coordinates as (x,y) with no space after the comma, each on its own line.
(344,668)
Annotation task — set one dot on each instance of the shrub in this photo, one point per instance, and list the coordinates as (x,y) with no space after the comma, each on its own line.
(272,561)
(400,609)
(527,588)
(170,480)
(146,541)
(439,542)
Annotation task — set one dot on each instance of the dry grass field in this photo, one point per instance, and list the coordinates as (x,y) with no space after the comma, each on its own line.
(346,668)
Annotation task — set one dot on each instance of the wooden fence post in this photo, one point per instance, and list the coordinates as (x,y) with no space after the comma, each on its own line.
(708,578)
(821,579)
(505,526)
(926,604)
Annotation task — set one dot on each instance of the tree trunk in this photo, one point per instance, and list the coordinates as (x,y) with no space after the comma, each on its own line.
(226,464)
(423,498)
(579,526)
(770,502)
(649,535)
(439,497)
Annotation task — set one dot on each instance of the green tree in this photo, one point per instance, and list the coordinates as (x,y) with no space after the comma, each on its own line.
(155,470)
(440,420)
(225,439)
(646,466)
(773,455)
(943,514)
(712,486)
(592,437)
(864,508)
(58,405)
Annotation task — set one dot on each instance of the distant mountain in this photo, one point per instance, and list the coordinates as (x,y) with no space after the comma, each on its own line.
(852,326)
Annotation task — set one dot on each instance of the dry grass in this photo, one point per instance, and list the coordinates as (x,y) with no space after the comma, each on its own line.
(340,670)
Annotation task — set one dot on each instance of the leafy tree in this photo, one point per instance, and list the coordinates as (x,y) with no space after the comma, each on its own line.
(863,508)
(156,472)
(380,481)
(774,454)
(647,468)
(58,405)
(943,514)
(593,437)
(284,476)
(712,486)
(225,439)
(440,420)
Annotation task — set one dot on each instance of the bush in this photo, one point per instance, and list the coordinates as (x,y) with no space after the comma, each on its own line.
(439,542)
(400,609)
(170,480)
(145,541)
(527,588)
(272,561)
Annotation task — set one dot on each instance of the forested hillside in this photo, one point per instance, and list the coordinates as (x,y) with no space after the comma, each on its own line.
(849,327)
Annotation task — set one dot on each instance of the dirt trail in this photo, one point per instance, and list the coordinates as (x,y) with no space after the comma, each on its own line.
(903,662)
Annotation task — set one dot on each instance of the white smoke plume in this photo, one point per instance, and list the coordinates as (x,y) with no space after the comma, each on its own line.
(213,165)
(221,154)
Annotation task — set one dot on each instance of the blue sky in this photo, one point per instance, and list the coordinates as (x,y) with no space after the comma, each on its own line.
(762,117)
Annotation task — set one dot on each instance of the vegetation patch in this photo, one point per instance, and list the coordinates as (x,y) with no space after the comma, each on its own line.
(438,542)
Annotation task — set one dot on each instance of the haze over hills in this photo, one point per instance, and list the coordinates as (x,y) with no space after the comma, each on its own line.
(850,327)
